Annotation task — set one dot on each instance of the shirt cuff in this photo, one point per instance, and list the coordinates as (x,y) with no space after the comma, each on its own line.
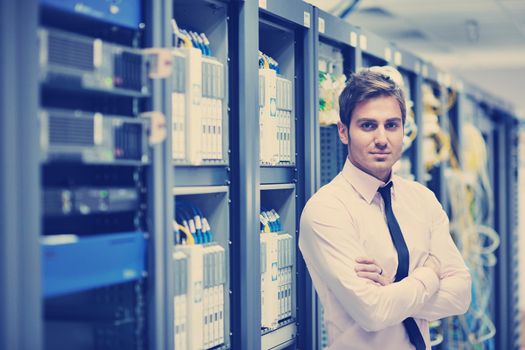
(428,277)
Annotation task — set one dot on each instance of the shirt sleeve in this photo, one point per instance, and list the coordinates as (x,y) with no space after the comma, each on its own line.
(330,244)
(454,294)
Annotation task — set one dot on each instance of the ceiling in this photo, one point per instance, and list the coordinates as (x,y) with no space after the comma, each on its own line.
(481,41)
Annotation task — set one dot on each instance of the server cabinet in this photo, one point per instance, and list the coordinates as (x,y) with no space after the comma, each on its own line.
(199,104)
(286,48)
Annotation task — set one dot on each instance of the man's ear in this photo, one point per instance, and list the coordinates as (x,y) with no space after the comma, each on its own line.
(343,132)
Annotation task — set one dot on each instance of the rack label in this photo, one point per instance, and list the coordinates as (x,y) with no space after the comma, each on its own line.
(388,54)
(306,19)
(363,42)
(398,58)
(353,39)
(321,25)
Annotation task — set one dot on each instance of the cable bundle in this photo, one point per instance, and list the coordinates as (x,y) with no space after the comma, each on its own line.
(471,207)
(188,38)
(436,144)
(330,87)
(267,62)
(270,221)
(190,225)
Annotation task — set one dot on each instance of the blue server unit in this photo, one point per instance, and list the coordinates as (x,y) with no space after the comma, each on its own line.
(72,264)
(126,13)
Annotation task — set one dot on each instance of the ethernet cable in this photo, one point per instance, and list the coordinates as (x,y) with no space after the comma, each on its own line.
(270,220)
(204,225)
(278,220)
(198,224)
(197,43)
(206,44)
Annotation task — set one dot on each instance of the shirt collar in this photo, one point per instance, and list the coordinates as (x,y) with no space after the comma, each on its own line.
(365,184)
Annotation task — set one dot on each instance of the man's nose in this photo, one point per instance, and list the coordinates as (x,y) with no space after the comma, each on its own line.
(380,137)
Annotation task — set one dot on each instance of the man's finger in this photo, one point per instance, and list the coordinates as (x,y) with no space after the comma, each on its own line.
(367,267)
(365,260)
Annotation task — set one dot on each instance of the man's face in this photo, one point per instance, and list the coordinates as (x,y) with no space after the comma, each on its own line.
(376,136)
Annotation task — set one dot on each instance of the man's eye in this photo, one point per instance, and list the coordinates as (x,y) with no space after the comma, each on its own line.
(367,126)
(392,125)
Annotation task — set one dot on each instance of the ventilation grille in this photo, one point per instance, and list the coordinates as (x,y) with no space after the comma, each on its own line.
(70,52)
(333,154)
(128,71)
(128,141)
(262,92)
(70,131)
(179,81)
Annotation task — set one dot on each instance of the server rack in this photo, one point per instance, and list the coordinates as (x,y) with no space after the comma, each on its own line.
(285,34)
(199,163)
(107,312)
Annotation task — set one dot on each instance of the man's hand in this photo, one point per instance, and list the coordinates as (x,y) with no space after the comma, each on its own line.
(434,264)
(369,269)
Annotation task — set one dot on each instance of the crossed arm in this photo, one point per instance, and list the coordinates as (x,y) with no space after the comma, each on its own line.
(328,248)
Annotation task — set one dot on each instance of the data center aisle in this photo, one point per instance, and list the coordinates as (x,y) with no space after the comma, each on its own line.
(161,155)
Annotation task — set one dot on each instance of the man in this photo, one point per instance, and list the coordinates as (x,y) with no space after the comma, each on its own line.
(377,246)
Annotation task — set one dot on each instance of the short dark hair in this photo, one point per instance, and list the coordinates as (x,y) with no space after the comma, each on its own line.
(365,85)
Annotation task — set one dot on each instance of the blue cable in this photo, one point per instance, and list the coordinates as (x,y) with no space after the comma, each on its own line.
(197,219)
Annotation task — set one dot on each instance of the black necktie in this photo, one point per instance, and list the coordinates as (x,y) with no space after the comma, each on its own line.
(404,259)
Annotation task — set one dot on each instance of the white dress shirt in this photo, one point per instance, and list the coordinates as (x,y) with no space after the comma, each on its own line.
(344,220)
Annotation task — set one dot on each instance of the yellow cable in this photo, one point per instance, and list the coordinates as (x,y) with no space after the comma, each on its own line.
(189,237)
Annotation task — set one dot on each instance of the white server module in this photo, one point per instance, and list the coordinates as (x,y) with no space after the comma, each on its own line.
(195,254)
(180,300)
(269,282)
(197,107)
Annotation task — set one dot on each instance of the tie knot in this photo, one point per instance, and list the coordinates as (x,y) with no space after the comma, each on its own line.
(385,190)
